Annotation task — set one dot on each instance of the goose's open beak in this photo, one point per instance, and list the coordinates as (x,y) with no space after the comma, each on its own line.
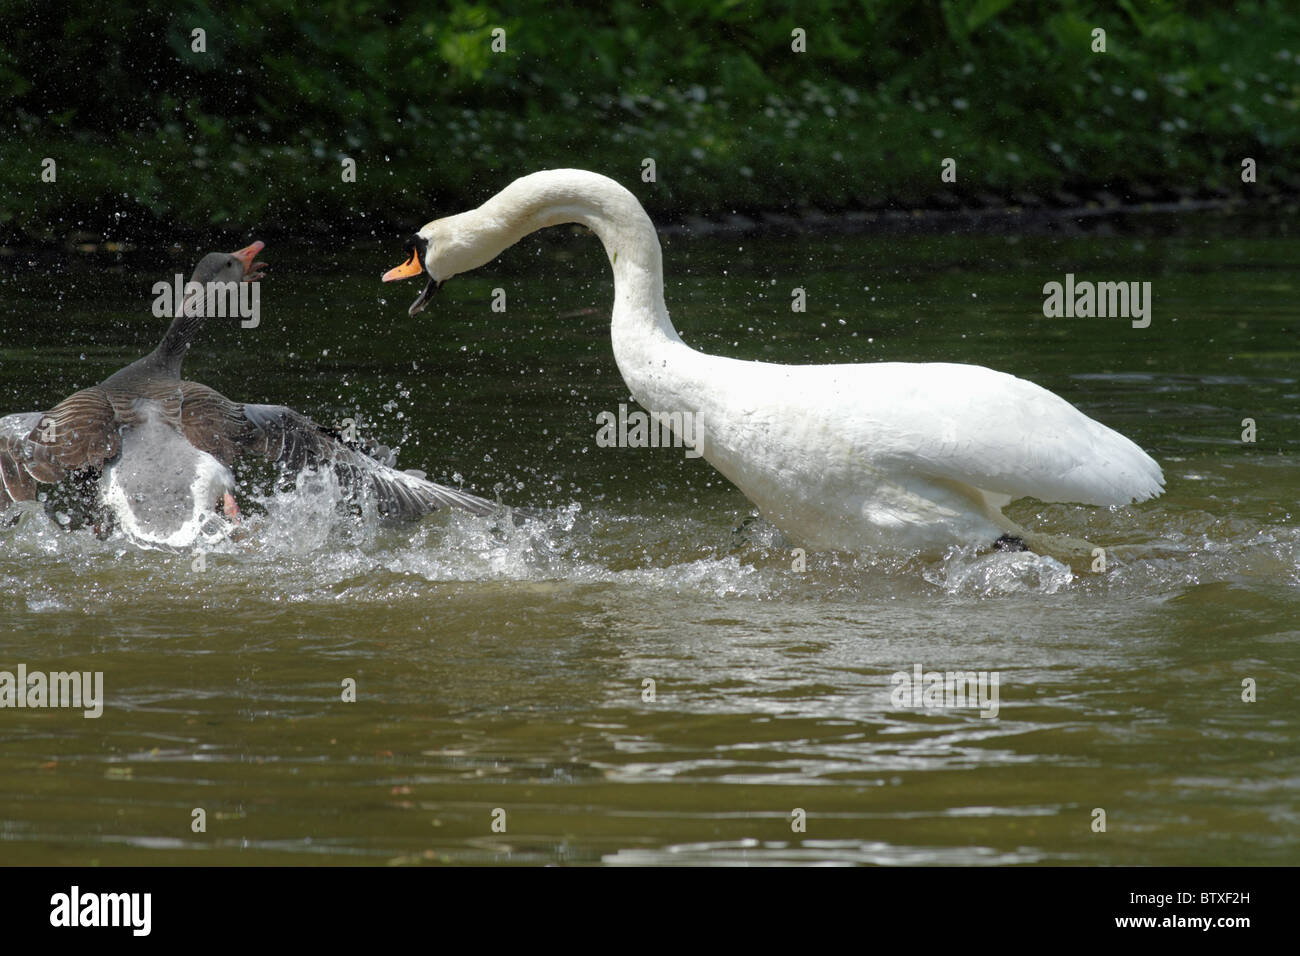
(413,267)
(253,270)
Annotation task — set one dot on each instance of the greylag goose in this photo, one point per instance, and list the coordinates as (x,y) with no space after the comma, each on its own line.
(158,450)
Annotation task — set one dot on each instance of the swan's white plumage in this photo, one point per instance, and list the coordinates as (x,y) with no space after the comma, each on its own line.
(868,456)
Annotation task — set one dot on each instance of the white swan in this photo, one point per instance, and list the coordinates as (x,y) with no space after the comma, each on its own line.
(881,456)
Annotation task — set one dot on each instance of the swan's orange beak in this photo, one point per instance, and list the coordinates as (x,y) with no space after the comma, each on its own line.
(247,256)
(411,267)
(414,267)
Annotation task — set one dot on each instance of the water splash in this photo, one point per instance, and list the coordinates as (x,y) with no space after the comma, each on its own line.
(302,541)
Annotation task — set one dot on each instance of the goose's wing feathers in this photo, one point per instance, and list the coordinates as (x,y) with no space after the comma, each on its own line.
(1004,435)
(296,442)
(42,447)
(208,420)
(17,483)
(82,431)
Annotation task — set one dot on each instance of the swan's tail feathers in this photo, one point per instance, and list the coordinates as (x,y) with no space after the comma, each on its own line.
(296,443)
(1008,436)
(1086,463)
(1117,472)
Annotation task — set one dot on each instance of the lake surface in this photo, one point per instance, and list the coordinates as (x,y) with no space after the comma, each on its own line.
(501,668)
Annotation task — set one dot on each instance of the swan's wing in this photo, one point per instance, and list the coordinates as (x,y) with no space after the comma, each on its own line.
(1007,436)
(296,442)
(42,447)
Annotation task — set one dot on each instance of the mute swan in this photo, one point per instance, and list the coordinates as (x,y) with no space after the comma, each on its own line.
(865,457)
(159,449)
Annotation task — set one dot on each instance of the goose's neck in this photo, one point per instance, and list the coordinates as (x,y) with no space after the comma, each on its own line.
(170,352)
(167,358)
(640,320)
(164,362)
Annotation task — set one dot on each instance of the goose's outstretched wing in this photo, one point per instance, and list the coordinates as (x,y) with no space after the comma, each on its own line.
(17,483)
(83,431)
(43,447)
(295,442)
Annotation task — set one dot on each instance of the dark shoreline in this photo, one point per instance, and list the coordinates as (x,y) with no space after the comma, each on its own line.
(1024,215)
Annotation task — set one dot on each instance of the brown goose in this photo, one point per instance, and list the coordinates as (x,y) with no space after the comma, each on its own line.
(160,448)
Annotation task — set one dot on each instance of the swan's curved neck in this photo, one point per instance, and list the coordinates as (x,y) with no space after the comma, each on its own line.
(557,196)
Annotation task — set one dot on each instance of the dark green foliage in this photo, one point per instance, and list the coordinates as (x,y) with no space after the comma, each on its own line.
(252,132)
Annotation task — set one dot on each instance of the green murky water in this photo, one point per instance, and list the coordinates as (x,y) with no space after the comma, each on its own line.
(504,668)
